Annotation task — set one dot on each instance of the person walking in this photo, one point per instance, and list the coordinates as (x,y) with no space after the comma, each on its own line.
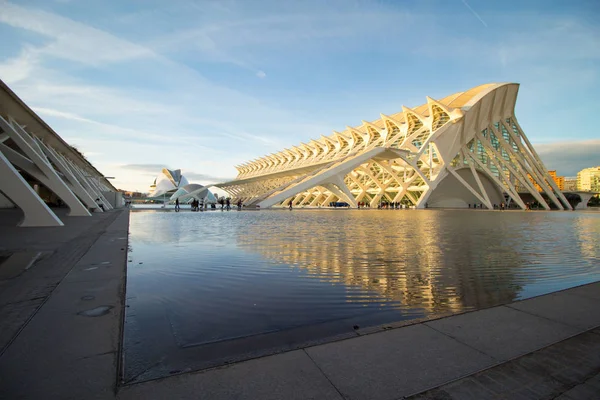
(228,202)
(177,205)
(290,205)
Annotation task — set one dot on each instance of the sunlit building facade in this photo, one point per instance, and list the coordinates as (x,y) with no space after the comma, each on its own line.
(570,184)
(559,180)
(467,148)
(588,179)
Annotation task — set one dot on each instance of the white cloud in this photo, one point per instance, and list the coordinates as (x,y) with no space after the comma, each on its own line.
(19,68)
(71,40)
(261,74)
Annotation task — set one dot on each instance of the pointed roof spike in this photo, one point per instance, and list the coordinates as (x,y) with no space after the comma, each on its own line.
(349,139)
(374,132)
(447,110)
(356,134)
(409,111)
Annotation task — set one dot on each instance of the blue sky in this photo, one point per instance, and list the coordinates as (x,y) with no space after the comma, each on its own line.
(206,85)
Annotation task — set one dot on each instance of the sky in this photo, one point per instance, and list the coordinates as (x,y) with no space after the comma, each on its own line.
(204,85)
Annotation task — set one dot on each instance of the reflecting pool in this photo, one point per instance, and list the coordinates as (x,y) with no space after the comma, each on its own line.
(207,288)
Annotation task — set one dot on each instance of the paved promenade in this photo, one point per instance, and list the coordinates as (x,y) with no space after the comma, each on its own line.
(62,321)
(61,318)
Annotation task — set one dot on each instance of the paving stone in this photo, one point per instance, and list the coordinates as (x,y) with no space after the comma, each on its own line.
(60,353)
(490,383)
(14,316)
(583,392)
(88,378)
(77,297)
(546,388)
(495,331)
(287,376)
(576,311)
(592,291)
(527,378)
(396,363)
(469,388)
(594,382)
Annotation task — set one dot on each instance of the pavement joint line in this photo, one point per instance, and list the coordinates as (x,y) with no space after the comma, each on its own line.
(87,235)
(510,305)
(463,343)
(99,354)
(323,373)
(500,364)
(23,301)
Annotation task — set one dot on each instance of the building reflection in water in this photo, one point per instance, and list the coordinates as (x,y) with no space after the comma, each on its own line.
(198,279)
(427,260)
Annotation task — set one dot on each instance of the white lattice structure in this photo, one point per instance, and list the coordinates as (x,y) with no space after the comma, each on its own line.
(467,148)
(32,155)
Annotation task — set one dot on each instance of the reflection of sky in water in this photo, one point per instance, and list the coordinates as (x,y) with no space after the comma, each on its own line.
(203,277)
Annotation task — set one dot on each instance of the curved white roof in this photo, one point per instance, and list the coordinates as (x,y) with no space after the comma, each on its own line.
(167,182)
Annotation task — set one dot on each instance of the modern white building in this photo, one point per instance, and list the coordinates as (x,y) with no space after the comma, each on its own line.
(171,185)
(38,168)
(588,179)
(466,148)
(167,183)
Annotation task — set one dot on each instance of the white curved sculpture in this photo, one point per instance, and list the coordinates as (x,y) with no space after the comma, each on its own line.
(167,183)
(464,149)
(193,191)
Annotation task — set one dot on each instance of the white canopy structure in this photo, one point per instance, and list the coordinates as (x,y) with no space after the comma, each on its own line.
(167,183)
(463,149)
(193,191)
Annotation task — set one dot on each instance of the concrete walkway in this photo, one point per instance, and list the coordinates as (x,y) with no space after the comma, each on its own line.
(69,347)
(63,316)
(567,370)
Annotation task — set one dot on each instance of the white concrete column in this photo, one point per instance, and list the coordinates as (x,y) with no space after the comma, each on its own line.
(103,199)
(86,183)
(35,154)
(76,186)
(18,190)
(337,186)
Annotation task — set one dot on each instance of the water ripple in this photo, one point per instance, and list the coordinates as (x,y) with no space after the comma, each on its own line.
(211,276)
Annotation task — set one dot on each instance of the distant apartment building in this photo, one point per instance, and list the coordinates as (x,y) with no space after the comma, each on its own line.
(589,179)
(570,184)
(132,194)
(559,180)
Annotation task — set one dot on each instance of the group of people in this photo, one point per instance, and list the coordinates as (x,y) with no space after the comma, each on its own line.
(475,205)
(196,205)
(225,203)
(394,205)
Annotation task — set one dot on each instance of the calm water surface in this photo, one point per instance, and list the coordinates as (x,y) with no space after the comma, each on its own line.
(196,279)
